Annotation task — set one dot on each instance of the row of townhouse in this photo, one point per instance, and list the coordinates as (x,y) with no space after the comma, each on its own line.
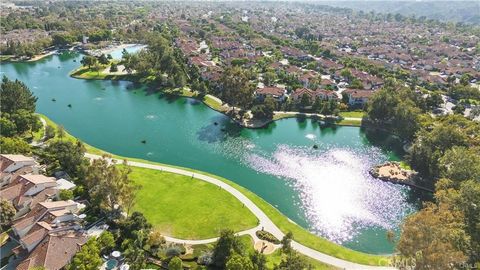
(46,231)
(356,97)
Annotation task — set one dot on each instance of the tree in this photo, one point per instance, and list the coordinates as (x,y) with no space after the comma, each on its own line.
(292,261)
(9,129)
(109,185)
(129,227)
(463,197)
(61,131)
(14,146)
(103,59)
(25,121)
(155,241)
(459,109)
(175,264)
(395,106)
(7,212)
(286,243)
(346,74)
(236,87)
(465,79)
(65,194)
(87,258)
(15,95)
(469,202)
(434,237)
(113,67)
(265,110)
(226,245)
(239,262)
(62,39)
(49,132)
(433,100)
(106,242)
(134,253)
(432,142)
(65,156)
(305,101)
(89,61)
(460,164)
(259,260)
(269,78)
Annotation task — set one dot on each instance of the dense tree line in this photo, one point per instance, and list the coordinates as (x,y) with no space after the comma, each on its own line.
(445,151)
(160,63)
(18,119)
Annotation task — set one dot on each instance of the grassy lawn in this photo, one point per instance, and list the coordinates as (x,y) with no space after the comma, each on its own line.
(404,165)
(344,122)
(90,74)
(356,114)
(213,103)
(279,116)
(185,208)
(90,149)
(300,234)
(5,58)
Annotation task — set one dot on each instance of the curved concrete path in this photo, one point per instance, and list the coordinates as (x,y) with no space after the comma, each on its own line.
(42,140)
(264,220)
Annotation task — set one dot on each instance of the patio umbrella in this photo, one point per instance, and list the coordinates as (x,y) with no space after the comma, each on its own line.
(116,254)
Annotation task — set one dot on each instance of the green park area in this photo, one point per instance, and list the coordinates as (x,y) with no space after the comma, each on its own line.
(186,208)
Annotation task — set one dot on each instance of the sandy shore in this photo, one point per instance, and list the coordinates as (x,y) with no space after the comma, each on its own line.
(40,56)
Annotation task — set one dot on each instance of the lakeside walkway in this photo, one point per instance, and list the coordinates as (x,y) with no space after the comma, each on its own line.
(264,220)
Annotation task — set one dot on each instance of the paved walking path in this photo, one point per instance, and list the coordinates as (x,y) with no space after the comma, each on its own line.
(264,220)
(42,140)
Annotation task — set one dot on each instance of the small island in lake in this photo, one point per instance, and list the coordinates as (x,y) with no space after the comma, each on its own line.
(392,172)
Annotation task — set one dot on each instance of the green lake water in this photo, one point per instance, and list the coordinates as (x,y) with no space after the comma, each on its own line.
(327,191)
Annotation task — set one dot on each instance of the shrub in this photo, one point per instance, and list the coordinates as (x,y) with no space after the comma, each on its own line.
(174,250)
(49,132)
(264,235)
(65,195)
(205,258)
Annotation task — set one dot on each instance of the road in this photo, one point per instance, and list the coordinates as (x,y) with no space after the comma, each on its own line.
(264,220)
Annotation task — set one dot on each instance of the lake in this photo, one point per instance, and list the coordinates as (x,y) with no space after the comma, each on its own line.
(326,190)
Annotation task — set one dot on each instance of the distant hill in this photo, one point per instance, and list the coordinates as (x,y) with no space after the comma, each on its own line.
(457,11)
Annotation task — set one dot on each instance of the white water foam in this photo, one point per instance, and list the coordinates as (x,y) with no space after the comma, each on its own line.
(311,136)
(338,195)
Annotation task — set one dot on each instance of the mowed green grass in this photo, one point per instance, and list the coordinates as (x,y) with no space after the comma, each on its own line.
(187,208)
(355,114)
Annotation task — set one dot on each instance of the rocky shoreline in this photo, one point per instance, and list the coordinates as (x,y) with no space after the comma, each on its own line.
(393,173)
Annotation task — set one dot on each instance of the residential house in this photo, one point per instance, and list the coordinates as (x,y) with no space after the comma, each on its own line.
(51,212)
(357,97)
(26,191)
(55,251)
(277,93)
(13,165)
(313,94)
(307,77)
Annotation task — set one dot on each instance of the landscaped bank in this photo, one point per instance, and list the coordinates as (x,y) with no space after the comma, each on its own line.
(300,234)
